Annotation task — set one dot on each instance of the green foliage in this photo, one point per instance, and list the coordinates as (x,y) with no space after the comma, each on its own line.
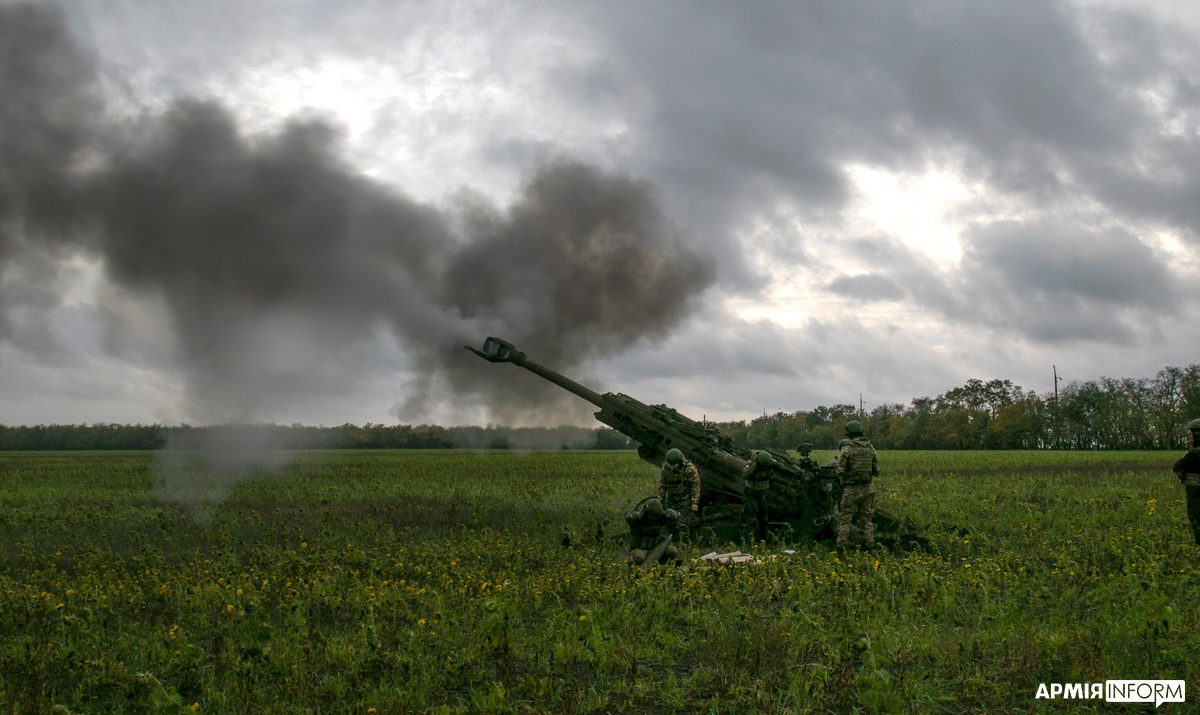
(1099,414)
(438,581)
(347,436)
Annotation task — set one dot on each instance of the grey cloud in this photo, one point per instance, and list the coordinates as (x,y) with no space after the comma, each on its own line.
(735,109)
(900,273)
(713,343)
(28,279)
(1041,279)
(717,363)
(47,86)
(1057,283)
(746,108)
(48,95)
(1110,266)
(1151,64)
(865,287)
(1017,86)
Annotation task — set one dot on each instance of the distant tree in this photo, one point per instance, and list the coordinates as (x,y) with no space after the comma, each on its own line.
(1019,425)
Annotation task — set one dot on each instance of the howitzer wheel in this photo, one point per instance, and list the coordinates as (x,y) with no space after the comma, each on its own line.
(643,501)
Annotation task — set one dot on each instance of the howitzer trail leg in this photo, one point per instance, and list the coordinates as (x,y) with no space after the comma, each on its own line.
(656,555)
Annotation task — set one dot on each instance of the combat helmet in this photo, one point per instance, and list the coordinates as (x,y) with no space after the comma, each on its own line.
(1194,425)
(805,448)
(843,443)
(674,457)
(764,459)
(652,507)
(854,428)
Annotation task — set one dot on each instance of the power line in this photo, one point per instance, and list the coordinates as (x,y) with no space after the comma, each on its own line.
(1011,377)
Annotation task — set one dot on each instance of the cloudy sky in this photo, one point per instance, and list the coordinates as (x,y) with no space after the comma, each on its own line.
(300,210)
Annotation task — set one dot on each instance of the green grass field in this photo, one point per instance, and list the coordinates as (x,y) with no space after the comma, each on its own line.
(397,582)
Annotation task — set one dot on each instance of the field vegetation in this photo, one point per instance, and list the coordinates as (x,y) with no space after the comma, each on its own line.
(495,582)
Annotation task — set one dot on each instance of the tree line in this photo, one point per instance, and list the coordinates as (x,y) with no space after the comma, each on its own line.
(1108,413)
(271,436)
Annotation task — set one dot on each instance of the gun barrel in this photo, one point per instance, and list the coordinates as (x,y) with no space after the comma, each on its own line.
(497,350)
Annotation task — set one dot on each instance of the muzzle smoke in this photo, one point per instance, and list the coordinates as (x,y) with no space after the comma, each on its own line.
(274,257)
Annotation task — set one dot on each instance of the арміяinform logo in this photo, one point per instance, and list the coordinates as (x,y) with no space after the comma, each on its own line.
(1116,691)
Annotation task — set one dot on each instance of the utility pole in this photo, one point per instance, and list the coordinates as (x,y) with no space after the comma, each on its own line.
(1056,381)
(860,405)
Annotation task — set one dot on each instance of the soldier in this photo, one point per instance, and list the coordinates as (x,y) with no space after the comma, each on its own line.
(679,485)
(649,524)
(757,480)
(858,465)
(837,461)
(807,463)
(1188,471)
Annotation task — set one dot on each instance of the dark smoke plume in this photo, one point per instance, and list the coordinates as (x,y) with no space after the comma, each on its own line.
(584,264)
(46,82)
(274,257)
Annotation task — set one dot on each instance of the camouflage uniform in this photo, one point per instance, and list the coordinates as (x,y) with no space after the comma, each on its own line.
(808,465)
(1188,471)
(757,480)
(648,525)
(837,461)
(679,489)
(857,465)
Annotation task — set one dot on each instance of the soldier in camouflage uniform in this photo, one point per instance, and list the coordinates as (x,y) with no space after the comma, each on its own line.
(837,461)
(757,481)
(1188,471)
(857,465)
(807,463)
(679,489)
(649,524)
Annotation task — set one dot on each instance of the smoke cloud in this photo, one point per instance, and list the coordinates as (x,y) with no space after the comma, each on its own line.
(274,257)
(47,86)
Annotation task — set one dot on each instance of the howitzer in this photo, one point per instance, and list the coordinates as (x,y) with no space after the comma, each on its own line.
(802,500)
(656,428)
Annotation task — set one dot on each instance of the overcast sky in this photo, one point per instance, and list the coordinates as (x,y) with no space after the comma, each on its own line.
(298,211)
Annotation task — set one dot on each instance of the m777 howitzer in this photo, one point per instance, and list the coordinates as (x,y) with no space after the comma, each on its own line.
(802,498)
